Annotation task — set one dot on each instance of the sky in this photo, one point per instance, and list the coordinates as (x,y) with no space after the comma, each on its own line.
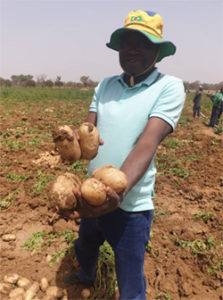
(68,38)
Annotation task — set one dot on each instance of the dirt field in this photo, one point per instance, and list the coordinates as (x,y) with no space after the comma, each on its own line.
(184,259)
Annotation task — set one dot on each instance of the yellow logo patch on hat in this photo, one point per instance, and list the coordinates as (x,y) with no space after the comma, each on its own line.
(147,21)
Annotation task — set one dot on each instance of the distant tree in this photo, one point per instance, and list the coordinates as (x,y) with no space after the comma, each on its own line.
(30,83)
(195,85)
(48,83)
(186,85)
(79,85)
(92,83)
(41,79)
(205,86)
(219,85)
(70,84)
(58,82)
(85,80)
(15,80)
(8,83)
(5,82)
(21,80)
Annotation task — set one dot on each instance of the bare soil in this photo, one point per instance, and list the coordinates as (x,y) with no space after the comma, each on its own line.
(177,264)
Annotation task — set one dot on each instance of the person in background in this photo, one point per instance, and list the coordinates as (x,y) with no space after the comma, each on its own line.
(221,109)
(197,102)
(217,100)
(133,112)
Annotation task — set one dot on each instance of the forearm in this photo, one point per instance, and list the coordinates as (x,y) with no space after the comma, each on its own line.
(92,118)
(142,154)
(137,163)
(210,97)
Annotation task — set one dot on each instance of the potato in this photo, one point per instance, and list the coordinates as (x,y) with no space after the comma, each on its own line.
(66,143)
(29,295)
(47,297)
(85,293)
(44,284)
(61,191)
(8,237)
(54,291)
(32,291)
(111,177)
(11,278)
(16,292)
(5,288)
(49,258)
(89,140)
(93,191)
(23,283)
(19,297)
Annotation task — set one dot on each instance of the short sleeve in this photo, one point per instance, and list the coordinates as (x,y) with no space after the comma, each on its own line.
(170,103)
(94,103)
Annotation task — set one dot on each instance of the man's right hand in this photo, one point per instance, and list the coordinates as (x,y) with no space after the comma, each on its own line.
(85,210)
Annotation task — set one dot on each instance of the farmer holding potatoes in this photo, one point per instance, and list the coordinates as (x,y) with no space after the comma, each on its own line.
(133,112)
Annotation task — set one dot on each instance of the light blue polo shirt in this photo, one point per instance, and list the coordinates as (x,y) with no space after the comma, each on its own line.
(122,114)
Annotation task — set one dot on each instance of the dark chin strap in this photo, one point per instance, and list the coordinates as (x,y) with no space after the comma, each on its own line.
(132,77)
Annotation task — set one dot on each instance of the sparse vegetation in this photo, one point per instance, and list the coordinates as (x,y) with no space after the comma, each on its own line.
(106,281)
(172,143)
(41,240)
(197,246)
(42,181)
(9,199)
(207,215)
(163,295)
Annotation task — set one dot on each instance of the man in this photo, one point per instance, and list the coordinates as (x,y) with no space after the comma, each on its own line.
(134,112)
(197,102)
(217,100)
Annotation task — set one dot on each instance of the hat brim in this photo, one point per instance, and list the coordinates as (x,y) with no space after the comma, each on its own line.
(167,47)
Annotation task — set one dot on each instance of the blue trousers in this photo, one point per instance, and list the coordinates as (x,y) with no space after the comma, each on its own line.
(214,116)
(128,235)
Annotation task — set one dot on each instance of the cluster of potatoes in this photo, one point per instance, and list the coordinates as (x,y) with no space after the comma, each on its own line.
(70,148)
(15,287)
(93,189)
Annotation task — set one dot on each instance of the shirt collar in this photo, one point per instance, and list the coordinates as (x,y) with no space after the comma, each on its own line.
(148,81)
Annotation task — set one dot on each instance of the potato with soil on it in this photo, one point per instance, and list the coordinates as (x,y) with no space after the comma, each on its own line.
(23,283)
(8,237)
(89,140)
(93,191)
(112,177)
(54,291)
(11,278)
(66,143)
(16,293)
(61,191)
(5,288)
(85,293)
(32,291)
(44,284)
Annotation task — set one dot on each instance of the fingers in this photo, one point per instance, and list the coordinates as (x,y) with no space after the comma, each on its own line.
(76,215)
(111,193)
(70,215)
(77,192)
(75,131)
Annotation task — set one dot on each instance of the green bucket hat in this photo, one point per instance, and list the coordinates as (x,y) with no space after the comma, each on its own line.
(148,23)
